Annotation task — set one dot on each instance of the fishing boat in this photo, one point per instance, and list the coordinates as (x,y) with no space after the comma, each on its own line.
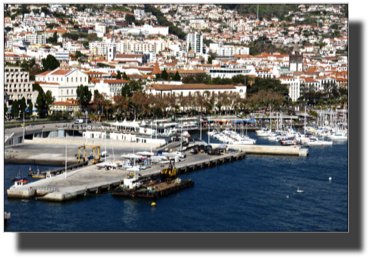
(39,174)
(17,178)
(20,182)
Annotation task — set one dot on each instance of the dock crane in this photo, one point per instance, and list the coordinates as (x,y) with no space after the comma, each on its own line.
(95,159)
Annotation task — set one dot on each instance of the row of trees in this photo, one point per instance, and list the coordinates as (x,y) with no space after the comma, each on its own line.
(254,85)
(19,108)
(142,105)
(331,93)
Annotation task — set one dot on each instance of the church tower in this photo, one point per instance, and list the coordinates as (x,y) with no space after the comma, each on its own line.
(296,59)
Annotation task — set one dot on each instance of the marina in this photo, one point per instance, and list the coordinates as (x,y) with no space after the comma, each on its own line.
(102,163)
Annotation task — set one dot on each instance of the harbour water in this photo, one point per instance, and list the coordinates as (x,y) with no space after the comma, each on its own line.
(254,194)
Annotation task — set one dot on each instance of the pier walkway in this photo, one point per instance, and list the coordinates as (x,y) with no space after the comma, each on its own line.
(86,180)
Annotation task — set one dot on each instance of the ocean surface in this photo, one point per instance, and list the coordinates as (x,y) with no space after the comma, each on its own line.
(245,195)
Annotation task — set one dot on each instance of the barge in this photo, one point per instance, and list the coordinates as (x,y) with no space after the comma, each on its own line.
(166,183)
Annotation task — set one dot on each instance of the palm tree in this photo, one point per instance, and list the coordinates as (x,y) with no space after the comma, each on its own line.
(107,107)
(78,114)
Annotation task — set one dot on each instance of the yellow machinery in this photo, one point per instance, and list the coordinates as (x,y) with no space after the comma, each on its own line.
(95,159)
(171,171)
(80,157)
(94,148)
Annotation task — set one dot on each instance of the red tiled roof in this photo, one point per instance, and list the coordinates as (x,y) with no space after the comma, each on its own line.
(46,83)
(64,104)
(110,81)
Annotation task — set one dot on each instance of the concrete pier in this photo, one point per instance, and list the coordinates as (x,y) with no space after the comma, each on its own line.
(270,150)
(90,179)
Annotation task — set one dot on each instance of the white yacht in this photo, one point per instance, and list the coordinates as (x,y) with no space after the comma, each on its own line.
(315,142)
(263,133)
(339,136)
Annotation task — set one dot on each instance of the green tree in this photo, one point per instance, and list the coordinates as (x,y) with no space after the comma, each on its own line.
(40,103)
(164,75)
(96,92)
(5,110)
(83,96)
(22,106)
(15,109)
(118,75)
(55,37)
(49,99)
(129,18)
(37,87)
(30,107)
(50,63)
(126,90)
(177,77)
(125,77)
(25,65)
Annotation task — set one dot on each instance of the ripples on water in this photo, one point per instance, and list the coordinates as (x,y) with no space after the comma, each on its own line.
(245,195)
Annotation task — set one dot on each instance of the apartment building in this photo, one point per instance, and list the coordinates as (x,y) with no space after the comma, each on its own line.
(17,85)
(195,41)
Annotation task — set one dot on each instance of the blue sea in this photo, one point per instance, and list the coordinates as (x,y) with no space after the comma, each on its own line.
(257,193)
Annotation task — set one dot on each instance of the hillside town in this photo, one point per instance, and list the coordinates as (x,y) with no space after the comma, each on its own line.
(119,59)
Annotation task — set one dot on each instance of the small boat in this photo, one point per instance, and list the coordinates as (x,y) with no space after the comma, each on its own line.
(316,142)
(339,136)
(39,175)
(107,165)
(299,190)
(18,177)
(134,168)
(7,216)
(19,183)
(287,142)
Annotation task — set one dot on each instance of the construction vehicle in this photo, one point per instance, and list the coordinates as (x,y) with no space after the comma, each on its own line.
(171,171)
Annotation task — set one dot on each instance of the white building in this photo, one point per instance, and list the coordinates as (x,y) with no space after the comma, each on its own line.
(148,30)
(63,83)
(228,50)
(195,40)
(293,84)
(110,88)
(228,71)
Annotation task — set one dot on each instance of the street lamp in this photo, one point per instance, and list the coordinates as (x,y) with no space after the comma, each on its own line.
(86,127)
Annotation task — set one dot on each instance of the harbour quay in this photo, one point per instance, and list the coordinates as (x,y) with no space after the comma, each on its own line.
(270,150)
(90,179)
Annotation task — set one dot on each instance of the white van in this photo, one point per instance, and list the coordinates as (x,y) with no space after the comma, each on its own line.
(79,121)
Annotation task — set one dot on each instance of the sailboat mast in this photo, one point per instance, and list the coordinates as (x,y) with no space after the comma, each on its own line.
(66,158)
(270,116)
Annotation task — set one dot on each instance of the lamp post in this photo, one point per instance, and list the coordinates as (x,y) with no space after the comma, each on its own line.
(66,157)
(209,133)
(23,126)
(86,127)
